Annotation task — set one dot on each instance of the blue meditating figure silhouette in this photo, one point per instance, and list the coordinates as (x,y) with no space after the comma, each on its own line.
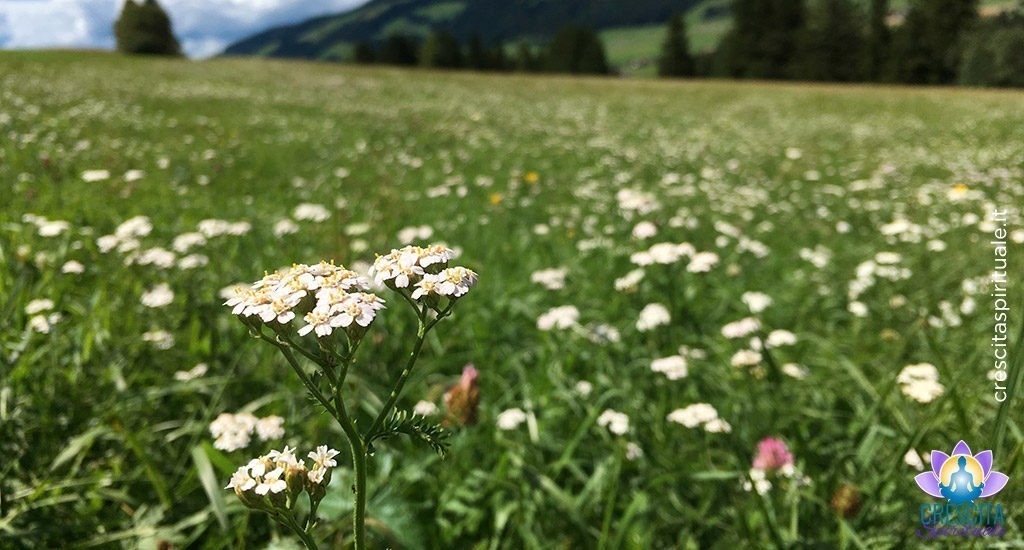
(961,486)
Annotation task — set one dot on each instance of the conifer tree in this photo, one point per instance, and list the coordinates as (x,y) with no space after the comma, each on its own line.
(441,50)
(929,45)
(675,60)
(576,49)
(145,29)
(832,44)
(877,48)
(476,57)
(364,54)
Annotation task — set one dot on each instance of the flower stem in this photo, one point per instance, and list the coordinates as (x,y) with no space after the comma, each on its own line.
(288,521)
(358,448)
(397,389)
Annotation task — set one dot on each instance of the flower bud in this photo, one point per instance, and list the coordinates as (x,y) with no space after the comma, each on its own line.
(463,399)
(846,500)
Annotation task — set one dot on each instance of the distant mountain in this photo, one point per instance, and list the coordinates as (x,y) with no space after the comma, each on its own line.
(334,36)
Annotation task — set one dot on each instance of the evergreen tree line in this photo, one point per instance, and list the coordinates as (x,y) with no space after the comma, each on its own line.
(935,42)
(574,49)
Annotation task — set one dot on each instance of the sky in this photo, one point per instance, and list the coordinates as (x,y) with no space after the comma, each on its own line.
(204,27)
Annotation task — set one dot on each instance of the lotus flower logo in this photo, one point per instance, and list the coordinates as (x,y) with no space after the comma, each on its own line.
(961,477)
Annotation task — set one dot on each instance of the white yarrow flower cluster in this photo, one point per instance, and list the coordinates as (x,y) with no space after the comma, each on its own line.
(404,267)
(561,317)
(510,419)
(742,328)
(673,366)
(280,472)
(551,279)
(920,382)
(159,296)
(616,422)
(334,297)
(453,282)
(756,301)
(39,321)
(700,415)
(234,431)
(652,316)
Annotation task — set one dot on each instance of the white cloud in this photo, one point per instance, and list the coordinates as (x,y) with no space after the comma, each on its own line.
(204,27)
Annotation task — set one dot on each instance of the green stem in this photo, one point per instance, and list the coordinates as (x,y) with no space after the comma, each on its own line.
(421,335)
(288,521)
(358,449)
(313,389)
(400,383)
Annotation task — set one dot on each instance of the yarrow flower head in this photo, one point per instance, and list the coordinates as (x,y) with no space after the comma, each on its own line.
(234,431)
(616,422)
(276,480)
(324,295)
(920,382)
(404,267)
(700,415)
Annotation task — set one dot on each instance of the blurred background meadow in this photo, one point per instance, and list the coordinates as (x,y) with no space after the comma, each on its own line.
(709,312)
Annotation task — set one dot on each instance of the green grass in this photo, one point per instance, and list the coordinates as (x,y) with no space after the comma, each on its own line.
(103,446)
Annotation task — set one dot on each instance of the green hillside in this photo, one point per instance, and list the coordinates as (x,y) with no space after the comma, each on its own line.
(632,31)
(331,37)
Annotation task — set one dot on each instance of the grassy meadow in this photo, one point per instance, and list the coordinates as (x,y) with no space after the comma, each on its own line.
(845,226)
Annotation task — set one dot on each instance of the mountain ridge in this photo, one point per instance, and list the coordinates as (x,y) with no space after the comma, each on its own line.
(332,37)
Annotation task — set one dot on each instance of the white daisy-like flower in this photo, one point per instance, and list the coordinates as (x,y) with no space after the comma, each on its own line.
(272,482)
(551,279)
(652,316)
(285,227)
(425,408)
(756,301)
(616,422)
(133,175)
(318,320)
(629,281)
(404,267)
(561,317)
(510,419)
(702,262)
(583,388)
(453,282)
(159,296)
(241,480)
(920,382)
(778,338)
(53,228)
(644,230)
(633,451)
(913,459)
(692,416)
(72,267)
(742,328)
(160,339)
(38,305)
(745,358)
(92,176)
(758,482)
(186,241)
(323,457)
(191,374)
(796,371)
(673,367)
(43,323)
(270,427)
(311,212)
